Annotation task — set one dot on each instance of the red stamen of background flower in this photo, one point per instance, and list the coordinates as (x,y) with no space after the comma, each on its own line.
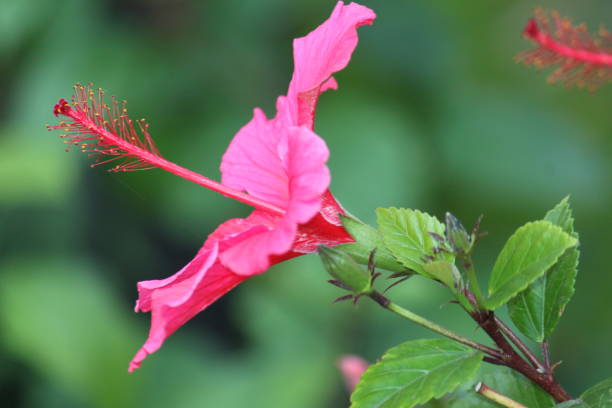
(108,134)
(581,59)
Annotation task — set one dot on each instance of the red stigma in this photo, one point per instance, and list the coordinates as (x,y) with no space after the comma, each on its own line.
(531,30)
(61,107)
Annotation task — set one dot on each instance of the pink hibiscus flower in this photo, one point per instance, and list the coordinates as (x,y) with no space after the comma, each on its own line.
(352,367)
(276,165)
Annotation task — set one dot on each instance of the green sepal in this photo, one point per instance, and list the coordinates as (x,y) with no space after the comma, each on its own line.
(343,267)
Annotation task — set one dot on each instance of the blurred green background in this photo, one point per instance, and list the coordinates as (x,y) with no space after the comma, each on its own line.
(431,113)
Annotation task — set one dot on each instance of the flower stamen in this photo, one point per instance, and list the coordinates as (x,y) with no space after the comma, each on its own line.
(106,133)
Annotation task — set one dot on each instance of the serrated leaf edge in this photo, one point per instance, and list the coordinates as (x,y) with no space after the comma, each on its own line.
(421,216)
(389,356)
(499,303)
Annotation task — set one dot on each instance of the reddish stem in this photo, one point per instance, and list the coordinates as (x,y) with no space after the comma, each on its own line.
(487,321)
(520,345)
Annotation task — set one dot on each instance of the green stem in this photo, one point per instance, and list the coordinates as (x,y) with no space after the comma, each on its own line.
(428,324)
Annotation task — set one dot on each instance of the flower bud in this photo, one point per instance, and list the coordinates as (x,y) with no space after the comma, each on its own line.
(345,269)
(456,235)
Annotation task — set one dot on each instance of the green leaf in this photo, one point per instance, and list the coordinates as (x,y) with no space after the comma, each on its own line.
(406,233)
(562,216)
(445,272)
(506,382)
(536,311)
(415,372)
(527,255)
(573,404)
(600,395)
(368,238)
(448,274)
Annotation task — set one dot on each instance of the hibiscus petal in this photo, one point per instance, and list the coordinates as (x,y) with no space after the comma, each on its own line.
(308,175)
(320,54)
(297,173)
(252,256)
(175,300)
(178,287)
(230,232)
(252,162)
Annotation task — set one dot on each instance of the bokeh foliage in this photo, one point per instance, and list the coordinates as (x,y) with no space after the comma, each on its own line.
(431,113)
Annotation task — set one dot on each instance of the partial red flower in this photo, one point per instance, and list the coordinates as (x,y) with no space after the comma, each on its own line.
(580,59)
